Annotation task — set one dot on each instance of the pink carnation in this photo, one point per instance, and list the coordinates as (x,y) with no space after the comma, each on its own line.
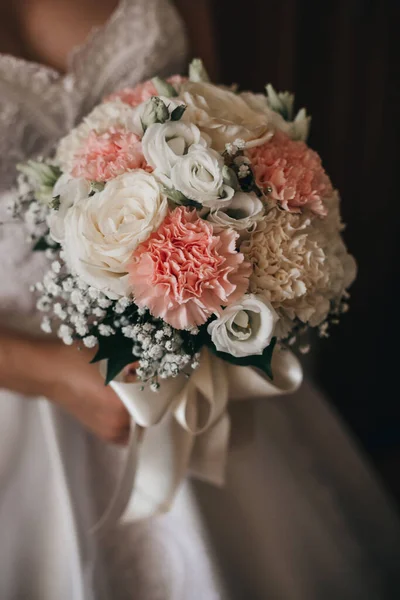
(106,155)
(141,92)
(293,172)
(184,273)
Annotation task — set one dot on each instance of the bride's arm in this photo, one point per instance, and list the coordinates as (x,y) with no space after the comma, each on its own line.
(42,367)
(199,23)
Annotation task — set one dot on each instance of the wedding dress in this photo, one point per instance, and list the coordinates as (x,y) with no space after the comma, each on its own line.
(301,516)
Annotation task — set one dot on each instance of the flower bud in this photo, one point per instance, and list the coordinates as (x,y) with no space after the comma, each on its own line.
(155,111)
(197,71)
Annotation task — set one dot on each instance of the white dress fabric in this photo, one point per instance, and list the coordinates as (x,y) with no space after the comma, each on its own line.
(301,517)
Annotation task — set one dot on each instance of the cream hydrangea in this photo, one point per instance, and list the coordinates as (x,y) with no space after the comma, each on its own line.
(327,232)
(300,264)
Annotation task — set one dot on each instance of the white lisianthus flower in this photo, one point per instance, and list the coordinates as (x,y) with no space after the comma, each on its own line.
(164,144)
(244,329)
(223,115)
(69,191)
(103,230)
(242,213)
(198,175)
(102,118)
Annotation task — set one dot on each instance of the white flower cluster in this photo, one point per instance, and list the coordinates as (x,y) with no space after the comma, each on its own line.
(81,310)
(22,203)
(79,307)
(160,349)
(239,162)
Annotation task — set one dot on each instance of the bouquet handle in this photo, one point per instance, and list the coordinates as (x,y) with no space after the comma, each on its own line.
(184,428)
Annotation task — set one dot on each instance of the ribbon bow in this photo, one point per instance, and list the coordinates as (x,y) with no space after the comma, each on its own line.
(184,428)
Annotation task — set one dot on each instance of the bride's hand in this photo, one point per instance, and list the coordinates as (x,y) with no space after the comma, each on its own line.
(78,387)
(64,375)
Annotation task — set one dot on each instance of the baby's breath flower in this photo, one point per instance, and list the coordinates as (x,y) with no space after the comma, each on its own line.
(104,303)
(90,341)
(59,311)
(46,325)
(56,266)
(122,305)
(65,333)
(106,330)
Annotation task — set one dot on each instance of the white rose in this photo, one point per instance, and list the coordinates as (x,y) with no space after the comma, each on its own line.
(244,329)
(164,144)
(69,191)
(223,115)
(103,230)
(198,175)
(242,213)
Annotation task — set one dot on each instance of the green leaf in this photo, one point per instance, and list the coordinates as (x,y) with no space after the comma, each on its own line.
(42,244)
(164,88)
(55,203)
(177,113)
(96,186)
(177,197)
(42,177)
(230,178)
(261,361)
(115,364)
(117,351)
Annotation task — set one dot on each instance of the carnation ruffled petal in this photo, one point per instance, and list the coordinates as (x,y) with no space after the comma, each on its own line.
(105,156)
(184,273)
(292,172)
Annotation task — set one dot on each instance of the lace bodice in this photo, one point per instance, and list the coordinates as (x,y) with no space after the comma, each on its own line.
(38,106)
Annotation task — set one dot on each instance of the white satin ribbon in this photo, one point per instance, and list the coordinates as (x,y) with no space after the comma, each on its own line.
(184,428)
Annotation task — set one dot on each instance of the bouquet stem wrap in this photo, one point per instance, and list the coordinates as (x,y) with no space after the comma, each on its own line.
(184,428)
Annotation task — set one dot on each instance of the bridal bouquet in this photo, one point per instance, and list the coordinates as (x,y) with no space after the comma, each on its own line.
(192,233)
(180,215)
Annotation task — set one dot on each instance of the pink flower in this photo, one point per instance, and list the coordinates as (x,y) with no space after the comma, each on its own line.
(106,155)
(184,273)
(293,172)
(141,92)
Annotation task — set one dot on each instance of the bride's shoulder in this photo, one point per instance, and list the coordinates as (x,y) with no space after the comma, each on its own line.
(140,38)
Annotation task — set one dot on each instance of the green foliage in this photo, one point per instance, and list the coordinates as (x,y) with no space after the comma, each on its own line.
(43,244)
(117,350)
(164,88)
(261,361)
(178,198)
(177,113)
(42,178)
(230,178)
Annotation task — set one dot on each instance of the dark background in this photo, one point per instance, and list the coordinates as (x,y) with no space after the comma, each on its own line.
(342,60)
